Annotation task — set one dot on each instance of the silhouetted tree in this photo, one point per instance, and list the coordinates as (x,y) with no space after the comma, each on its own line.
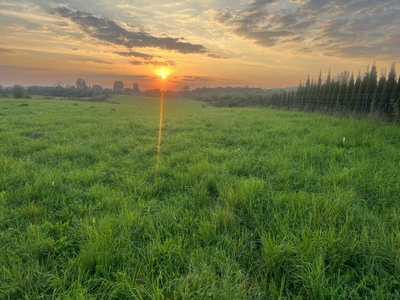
(388,90)
(378,92)
(81,84)
(354,95)
(136,89)
(107,91)
(18,91)
(362,92)
(97,90)
(185,91)
(118,87)
(349,91)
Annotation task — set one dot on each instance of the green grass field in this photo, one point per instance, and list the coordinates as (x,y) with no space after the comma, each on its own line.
(248,203)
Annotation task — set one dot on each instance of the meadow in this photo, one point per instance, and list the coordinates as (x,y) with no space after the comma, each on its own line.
(246,203)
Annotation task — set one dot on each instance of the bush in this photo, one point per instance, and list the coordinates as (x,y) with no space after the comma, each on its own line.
(18,92)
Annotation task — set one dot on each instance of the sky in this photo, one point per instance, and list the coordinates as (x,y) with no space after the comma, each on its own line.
(259,43)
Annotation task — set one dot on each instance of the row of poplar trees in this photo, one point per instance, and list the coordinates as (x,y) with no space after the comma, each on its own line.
(365,93)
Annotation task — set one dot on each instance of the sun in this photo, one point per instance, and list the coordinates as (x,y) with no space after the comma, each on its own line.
(163,73)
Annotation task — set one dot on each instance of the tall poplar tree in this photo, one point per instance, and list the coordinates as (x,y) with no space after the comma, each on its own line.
(354,95)
(371,86)
(325,89)
(378,92)
(388,90)
(362,92)
(349,91)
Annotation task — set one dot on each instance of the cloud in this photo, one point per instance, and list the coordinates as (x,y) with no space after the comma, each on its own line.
(106,30)
(7,51)
(136,62)
(341,28)
(168,63)
(62,24)
(135,54)
(216,56)
(97,61)
(120,76)
(196,78)
(18,68)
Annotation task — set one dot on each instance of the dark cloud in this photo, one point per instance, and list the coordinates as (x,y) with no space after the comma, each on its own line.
(342,28)
(135,54)
(153,63)
(98,61)
(136,62)
(216,56)
(169,63)
(119,77)
(196,78)
(62,24)
(7,67)
(108,31)
(7,51)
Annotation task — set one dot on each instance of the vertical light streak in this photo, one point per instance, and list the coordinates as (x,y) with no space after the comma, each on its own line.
(160,127)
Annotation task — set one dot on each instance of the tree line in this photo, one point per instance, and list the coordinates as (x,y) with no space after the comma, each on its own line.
(79,90)
(363,94)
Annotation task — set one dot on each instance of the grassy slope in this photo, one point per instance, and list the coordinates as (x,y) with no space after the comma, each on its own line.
(249,203)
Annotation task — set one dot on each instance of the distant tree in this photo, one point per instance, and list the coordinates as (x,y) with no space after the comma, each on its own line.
(371,86)
(349,91)
(344,81)
(372,80)
(388,90)
(107,91)
(152,93)
(319,85)
(396,90)
(185,91)
(118,87)
(18,92)
(307,86)
(329,86)
(378,92)
(97,89)
(328,82)
(81,84)
(396,95)
(1,90)
(127,91)
(170,94)
(335,92)
(354,95)
(359,105)
(136,88)
(58,91)
(300,89)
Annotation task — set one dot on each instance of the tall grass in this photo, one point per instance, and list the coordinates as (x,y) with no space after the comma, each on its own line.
(249,203)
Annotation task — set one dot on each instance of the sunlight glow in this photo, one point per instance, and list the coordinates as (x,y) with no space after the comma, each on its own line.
(160,126)
(163,73)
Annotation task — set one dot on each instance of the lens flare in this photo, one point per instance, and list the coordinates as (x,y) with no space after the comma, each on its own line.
(163,73)
(160,128)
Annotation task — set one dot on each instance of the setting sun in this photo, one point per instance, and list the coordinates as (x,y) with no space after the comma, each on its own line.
(163,73)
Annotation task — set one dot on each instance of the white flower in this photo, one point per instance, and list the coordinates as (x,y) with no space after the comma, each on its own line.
(344,140)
